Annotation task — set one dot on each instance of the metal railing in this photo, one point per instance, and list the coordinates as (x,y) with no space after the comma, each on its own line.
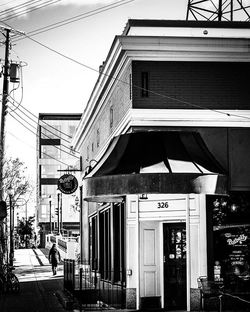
(69,274)
(91,290)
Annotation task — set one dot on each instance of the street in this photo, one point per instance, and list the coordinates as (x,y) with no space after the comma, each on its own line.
(38,285)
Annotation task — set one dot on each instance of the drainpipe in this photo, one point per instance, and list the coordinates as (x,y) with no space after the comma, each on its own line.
(188,251)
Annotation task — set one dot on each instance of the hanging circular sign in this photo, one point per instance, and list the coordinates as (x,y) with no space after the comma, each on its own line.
(67,184)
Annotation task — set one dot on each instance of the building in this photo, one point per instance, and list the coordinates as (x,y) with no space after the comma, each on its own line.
(54,157)
(164,141)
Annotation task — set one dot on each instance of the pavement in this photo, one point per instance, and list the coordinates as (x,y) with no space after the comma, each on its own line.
(41,291)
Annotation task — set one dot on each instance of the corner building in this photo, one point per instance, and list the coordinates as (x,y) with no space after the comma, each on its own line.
(165,146)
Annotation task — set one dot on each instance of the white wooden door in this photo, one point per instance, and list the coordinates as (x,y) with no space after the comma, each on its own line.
(149,259)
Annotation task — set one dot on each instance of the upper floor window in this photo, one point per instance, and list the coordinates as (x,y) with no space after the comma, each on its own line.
(50,132)
(87,158)
(98,137)
(50,171)
(111,117)
(144,84)
(50,151)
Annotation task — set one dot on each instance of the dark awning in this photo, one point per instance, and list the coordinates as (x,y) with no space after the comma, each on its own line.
(157,152)
(155,162)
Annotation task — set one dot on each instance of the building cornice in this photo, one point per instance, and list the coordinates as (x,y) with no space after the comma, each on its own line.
(125,49)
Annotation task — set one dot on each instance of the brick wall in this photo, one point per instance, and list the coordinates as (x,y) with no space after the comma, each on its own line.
(119,100)
(215,85)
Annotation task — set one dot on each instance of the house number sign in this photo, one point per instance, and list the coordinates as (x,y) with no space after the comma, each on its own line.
(162,205)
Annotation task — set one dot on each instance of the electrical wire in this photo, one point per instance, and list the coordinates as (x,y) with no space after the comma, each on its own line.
(60,149)
(135,86)
(27,10)
(138,87)
(41,121)
(76,18)
(37,136)
(37,150)
(17,7)
(38,124)
(7,3)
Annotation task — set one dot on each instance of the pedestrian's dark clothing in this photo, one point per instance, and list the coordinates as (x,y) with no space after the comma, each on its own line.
(54,258)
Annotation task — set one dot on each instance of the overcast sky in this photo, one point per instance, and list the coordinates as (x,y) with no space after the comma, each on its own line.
(51,82)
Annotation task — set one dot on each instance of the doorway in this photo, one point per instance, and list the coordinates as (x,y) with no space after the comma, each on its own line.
(174,252)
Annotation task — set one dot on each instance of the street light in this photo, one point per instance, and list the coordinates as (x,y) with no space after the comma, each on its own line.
(50,224)
(10,192)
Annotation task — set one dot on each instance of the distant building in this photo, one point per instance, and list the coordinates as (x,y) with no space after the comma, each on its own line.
(165,146)
(54,157)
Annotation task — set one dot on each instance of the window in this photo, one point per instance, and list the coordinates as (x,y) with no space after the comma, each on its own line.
(228,231)
(87,158)
(43,211)
(144,84)
(50,132)
(98,137)
(111,117)
(72,130)
(47,190)
(50,171)
(50,151)
(130,87)
(107,247)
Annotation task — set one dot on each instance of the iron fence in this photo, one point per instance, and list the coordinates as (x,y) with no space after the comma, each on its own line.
(91,290)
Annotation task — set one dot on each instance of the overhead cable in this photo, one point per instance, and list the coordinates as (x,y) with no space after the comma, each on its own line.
(27,10)
(76,18)
(137,87)
(60,149)
(42,121)
(38,124)
(37,150)
(35,135)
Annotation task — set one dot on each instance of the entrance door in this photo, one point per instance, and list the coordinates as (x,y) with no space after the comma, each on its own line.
(174,235)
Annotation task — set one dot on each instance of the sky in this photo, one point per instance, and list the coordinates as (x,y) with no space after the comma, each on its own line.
(51,82)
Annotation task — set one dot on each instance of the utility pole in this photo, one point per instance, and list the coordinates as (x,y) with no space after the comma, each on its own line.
(4,105)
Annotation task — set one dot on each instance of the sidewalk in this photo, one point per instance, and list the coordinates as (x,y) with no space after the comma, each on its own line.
(39,288)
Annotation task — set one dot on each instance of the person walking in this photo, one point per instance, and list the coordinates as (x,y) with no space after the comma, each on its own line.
(54,258)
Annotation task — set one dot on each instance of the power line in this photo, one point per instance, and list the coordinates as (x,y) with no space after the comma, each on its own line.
(42,121)
(76,18)
(138,87)
(38,124)
(37,136)
(60,149)
(17,7)
(26,10)
(37,150)
(3,4)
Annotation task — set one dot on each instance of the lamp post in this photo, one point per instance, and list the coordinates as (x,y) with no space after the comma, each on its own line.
(58,215)
(50,224)
(10,192)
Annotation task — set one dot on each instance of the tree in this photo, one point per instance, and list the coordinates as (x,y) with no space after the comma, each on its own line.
(14,176)
(25,227)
